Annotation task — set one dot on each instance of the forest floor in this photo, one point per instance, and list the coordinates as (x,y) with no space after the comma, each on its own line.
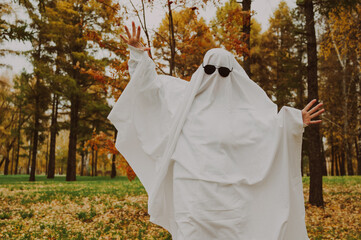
(104,208)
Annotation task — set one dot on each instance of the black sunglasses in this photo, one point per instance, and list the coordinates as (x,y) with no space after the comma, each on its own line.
(223,71)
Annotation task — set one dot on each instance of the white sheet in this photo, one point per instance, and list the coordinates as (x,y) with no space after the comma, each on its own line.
(215,157)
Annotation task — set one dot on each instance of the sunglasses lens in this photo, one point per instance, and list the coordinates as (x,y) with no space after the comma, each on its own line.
(209,69)
(223,71)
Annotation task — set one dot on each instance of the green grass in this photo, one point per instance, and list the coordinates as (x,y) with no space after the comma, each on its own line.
(47,190)
(337,180)
(89,208)
(87,216)
(105,208)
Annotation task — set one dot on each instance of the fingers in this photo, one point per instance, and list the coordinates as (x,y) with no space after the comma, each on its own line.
(138,33)
(315,108)
(133,30)
(128,33)
(125,40)
(317,113)
(309,105)
(134,37)
(315,122)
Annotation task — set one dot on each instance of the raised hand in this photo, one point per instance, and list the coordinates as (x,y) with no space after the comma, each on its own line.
(308,115)
(134,38)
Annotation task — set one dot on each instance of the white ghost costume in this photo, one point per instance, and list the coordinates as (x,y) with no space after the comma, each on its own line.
(215,157)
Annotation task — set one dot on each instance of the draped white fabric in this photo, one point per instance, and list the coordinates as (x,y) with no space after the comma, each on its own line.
(215,157)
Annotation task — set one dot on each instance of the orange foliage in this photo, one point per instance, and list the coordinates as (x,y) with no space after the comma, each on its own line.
(104,144)
(117,66)
(236,38)
(228,27)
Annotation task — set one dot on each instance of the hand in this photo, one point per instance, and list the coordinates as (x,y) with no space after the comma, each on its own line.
(308,115)
(134,38)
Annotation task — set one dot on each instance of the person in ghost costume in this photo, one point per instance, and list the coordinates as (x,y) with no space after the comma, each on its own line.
(215,157)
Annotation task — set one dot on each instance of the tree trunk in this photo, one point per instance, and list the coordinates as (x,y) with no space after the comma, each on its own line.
(35,133)
(345,96)
(34,150)
(96,163)
(74,117)
(171,39)
(324,164)
(114,170)
(342,164)
(47,155)
(7,158)
(358,155)
(2,161)
(87,172)
(345,142)
(313,132)
(246,7)
(332,155)
(92,162)
(19,141)
(53,133)
(6,167)
(338,164)
(29,160)
(332,161)
(12,162)
(82,164)
(82,154)
(350,171)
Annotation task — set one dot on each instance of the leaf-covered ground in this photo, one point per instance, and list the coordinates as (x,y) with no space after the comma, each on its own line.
(103,208)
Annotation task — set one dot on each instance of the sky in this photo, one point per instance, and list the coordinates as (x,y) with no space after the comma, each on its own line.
(263,11)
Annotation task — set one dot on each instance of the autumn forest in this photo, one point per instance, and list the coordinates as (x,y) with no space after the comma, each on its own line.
(53,118)
(70,87)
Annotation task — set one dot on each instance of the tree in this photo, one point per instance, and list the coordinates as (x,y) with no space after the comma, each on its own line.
(170,22)
(23,101)
(330,93)
(300,50)
(313,132)
(104,144)
(114,172)
(53,133)
(38,94)
(193,39)
(70,34)
(246,5)
(342,39)
(228,29)
(277,53)
(11,30)
(7,124)
(23,107)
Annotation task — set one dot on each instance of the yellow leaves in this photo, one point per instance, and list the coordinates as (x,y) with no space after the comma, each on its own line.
(193,39)
(343,32)
(228,27)
(98,216)
(92,209)
(341,216)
